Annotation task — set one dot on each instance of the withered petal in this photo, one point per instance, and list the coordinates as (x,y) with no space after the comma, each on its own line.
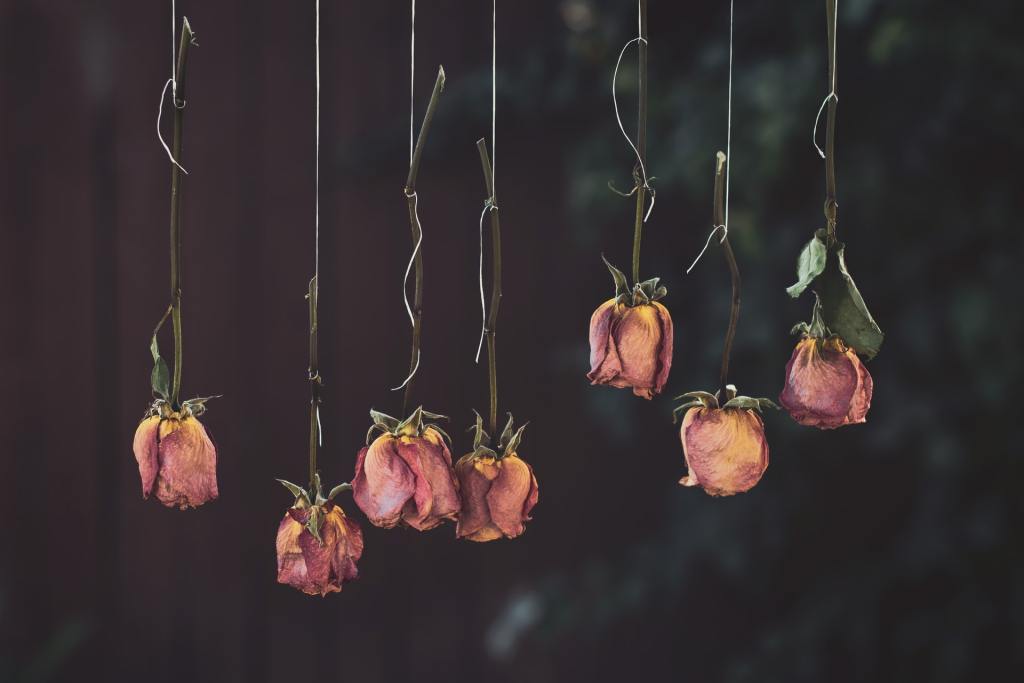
(146,451)
(508,495)
(188,464)
(383,482)
(726,451)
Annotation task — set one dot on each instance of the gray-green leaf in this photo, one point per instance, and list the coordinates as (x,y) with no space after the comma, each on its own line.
(809,265)
(843,309)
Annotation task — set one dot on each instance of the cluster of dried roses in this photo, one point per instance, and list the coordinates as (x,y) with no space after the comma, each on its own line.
(724,445)
(403,477)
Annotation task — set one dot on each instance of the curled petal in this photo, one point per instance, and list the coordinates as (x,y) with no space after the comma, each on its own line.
(436,497)
(726,450)
(188,464)
(665,349)
(637,347)
(509,494)
(475,476)
(602,345)
(383,482)
(146,449)
(827,385)
(312,566)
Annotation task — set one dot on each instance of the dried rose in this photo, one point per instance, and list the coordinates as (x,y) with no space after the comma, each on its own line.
(317,545)
(406,474)
(827,385)
(499,488)
(631,338)
(725,448)
(176,457)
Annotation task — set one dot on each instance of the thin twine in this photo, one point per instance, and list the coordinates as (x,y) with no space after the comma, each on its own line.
(728,152)
(316,258)
(489,205)
(415,197)
(832,93)
(173,83)
(615,74)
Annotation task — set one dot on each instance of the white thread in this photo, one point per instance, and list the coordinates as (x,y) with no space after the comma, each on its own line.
(415,197)
(405,285)
(160,135)
(489,205)
(832,93)
(725,233)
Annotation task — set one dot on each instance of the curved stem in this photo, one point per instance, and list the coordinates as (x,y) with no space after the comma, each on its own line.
(417,234)
(176,190)
(491,328)
(734,271)
(641,144)
(831,204)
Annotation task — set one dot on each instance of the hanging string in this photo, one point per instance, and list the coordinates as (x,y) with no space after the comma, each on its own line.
(413,195)
(171,83)
(618,117)
(316,192)
(490,204)
(832,92)
(728,150)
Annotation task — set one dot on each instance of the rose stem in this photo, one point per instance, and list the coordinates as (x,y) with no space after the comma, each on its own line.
(491,330)
(176,189)
(639,171)
(314,379)
(734,271)
(831,205)
(410,196)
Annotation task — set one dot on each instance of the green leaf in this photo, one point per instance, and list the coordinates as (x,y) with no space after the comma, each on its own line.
(809,265)
(160,379)
(843,310)
(621,286)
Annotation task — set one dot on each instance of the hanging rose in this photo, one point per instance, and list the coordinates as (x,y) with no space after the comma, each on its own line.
(827,385)
(631,338)
(725,448)
(317,545)
(177,460)
(499,488)
(405,475)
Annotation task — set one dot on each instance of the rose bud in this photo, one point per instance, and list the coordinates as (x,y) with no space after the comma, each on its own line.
(317,545)
(176,457)
(725,448)
(406,474)
(631,338)
(498,488)
(827,385)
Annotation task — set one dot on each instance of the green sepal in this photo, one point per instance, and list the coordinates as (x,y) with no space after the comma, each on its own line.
(480,436)
(810,264)
(707,399)
(683,408)
(843,310)
(197,406)
(340,488)
(621,285)
(410,426)
(748,403)
(314,522)
(730,393)
(301,495)
(649,291)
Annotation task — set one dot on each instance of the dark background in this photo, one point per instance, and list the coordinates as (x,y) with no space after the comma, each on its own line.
(887,551)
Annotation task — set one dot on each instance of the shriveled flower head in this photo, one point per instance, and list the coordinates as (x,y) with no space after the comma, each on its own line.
(499,488)
(405,475)
(177,460)
(827,385)
(725,448)
(317,545)
(631,338)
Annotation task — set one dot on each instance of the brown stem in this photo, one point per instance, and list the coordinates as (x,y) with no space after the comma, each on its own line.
(640,170)
(314,378)
(491,328)
(178,98)
(831,204)
(417,235)
(734,271)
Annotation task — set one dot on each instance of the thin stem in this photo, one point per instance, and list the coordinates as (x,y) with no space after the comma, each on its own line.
(417,234)
(639,171)
(491,329)
(831,204)
(734,271)
(314,378)
(176,190)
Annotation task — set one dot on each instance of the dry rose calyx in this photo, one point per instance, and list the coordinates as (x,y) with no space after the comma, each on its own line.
(827,385)
(499,488)
(177,460)
(631,338)
(405,475)
(317,545)
(724,446)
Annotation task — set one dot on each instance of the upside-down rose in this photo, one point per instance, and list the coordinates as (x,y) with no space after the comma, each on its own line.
(177,460)
(827,385)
